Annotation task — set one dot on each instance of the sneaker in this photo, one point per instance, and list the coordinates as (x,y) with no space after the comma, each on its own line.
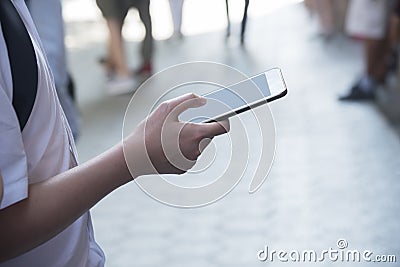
(145,70)
(108,68)
(119,85)
(175,37)
(358,94)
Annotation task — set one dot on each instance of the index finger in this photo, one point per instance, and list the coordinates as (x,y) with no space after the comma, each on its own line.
(175,102)
(178,105)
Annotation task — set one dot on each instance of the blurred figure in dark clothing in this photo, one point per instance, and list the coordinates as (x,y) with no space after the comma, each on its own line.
(370,20)
(121,79)
(243,23)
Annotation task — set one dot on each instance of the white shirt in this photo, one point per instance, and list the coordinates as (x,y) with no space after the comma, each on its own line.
(44,148)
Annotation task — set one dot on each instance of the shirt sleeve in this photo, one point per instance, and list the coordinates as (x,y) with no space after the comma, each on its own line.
(13,163)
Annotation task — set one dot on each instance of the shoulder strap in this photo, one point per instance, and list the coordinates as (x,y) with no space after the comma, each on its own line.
(24,70)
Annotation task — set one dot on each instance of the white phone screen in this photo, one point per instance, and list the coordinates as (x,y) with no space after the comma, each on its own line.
(226,100)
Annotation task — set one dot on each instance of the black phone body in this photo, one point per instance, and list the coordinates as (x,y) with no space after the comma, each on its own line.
(237,98)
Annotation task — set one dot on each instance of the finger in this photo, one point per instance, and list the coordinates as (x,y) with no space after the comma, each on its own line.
(180,104)
(215,128)
(174,102)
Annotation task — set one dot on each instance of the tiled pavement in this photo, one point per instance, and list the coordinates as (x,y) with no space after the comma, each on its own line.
(336,172)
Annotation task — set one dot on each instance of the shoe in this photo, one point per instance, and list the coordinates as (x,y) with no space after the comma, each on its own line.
(107,66)
(144,72)
(119,85)
(357,94)
(175,37)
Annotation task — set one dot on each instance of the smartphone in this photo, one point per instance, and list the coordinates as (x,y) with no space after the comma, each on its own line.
(234,99)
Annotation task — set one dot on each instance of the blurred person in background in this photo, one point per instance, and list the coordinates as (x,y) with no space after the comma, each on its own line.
(368,20)
(176,7)
(48,19)
(243,23)
(326,12)
(121,79)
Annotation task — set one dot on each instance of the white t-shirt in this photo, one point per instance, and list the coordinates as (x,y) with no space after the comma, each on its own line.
(43,149)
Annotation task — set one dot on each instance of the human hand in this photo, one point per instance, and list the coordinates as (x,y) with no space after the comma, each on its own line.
(162,144)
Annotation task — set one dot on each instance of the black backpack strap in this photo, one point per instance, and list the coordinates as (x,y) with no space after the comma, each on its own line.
(24,70)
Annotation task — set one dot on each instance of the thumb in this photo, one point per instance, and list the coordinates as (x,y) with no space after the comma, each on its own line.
(215,128)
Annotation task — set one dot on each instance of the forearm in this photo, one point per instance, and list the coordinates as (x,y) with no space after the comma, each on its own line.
(54,204)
